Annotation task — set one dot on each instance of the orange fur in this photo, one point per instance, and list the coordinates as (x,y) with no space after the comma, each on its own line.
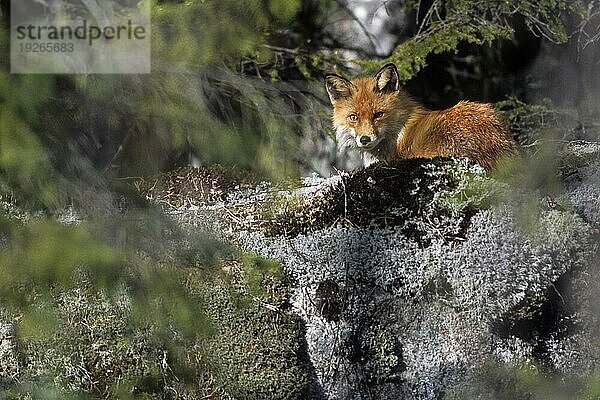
(377,116)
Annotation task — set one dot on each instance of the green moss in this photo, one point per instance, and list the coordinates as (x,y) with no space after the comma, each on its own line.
(379,352)
(256,351)
(292,215)
(592,388)
(257,270)
(471,191)
(526,381)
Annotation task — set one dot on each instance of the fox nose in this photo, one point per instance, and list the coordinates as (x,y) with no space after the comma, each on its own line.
(364,140)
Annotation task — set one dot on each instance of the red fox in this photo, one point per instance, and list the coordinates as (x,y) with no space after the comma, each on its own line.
(377,116)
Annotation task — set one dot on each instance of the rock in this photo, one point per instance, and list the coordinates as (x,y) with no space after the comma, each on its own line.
(427,279)
(410,281)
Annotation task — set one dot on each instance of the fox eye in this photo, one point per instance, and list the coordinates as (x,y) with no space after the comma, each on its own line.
(378,115)
(353,117)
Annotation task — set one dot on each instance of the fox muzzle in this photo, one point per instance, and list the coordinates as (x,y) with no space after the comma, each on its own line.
(367,141)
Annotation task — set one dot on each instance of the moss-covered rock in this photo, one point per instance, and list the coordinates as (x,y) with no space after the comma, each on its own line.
(257,350)
(396,194)
(90,346)
(239,340)
(257,353)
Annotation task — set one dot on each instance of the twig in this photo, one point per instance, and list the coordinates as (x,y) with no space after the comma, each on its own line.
(283,49)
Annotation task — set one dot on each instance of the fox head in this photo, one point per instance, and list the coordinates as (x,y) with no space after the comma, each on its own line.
(369,113)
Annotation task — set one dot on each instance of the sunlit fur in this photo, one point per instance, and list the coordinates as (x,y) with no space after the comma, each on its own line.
(407,129)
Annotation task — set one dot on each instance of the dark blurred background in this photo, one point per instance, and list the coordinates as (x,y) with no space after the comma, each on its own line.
(241,84)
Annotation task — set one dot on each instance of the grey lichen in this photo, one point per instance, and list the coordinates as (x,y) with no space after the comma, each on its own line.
(9,367)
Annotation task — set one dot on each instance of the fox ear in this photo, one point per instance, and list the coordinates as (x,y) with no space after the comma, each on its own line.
(337,87)
(387,79)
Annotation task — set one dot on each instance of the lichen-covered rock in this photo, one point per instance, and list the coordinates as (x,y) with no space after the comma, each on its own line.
(419,279)
(417,318)
(581,170)
(409,286)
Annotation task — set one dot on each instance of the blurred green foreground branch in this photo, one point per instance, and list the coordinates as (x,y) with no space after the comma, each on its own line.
(101,294)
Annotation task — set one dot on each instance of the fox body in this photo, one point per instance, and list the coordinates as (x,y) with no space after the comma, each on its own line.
(375,115)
